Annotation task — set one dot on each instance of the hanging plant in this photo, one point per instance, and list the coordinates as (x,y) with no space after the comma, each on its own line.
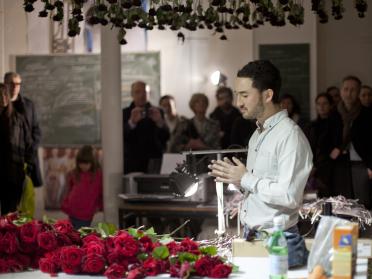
(217,15)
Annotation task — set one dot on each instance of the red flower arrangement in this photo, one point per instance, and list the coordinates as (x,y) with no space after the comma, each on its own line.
(54,246)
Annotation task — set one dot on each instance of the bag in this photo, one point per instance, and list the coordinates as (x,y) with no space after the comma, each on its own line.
(27,203)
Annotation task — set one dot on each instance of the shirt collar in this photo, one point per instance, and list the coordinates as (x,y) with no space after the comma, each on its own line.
(272,120)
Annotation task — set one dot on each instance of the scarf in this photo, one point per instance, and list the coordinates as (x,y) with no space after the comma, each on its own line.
(348,116)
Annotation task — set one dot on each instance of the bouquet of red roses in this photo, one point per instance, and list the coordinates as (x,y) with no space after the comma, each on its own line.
(54,246)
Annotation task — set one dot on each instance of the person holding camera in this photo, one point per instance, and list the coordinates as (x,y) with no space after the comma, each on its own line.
(145,133)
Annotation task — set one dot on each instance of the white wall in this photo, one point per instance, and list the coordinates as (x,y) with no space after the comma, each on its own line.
(14,37)
(344,48)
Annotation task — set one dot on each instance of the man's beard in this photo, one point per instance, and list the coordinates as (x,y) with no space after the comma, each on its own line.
(257,111)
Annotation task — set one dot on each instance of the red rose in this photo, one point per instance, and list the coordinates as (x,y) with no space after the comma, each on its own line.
(63,226)
(137,273)
(6,224)
(173,247)
(47,265)
(3,266)
(93,264)
(24,260)
(152,266)
(14,265)
(75,237)
(109,243)
(92,238)
(9,243)
(55,257)
(71,256)
(115,271)
(146,244)
(126,245)
(190,246)
(47,240)
(95,248)
(63,239)
(29,231)
(203,266)
(221,271)
(180,271)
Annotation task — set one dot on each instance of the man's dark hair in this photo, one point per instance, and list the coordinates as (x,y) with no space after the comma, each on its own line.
(264,76)
(325,95)
(354,78)
(330,88)
(224,90)
(165,97)
(367,87)
(8,77)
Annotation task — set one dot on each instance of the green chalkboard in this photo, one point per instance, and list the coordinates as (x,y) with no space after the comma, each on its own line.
(66,91)
(293,61)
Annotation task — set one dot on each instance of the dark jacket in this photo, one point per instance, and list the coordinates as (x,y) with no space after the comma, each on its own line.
(361,136)
(226,121)
(15,142)
(144,142)
(324,135)
(26,107)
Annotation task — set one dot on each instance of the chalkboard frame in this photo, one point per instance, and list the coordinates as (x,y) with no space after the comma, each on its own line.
(95,138)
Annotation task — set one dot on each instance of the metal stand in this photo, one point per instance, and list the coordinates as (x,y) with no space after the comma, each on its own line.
(219,185)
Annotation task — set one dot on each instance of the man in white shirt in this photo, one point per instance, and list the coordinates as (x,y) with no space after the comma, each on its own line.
(279,158)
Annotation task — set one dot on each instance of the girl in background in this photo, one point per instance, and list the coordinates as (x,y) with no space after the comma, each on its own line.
(84,197)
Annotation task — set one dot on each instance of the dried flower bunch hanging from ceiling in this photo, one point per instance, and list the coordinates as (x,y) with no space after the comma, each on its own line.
(217,15)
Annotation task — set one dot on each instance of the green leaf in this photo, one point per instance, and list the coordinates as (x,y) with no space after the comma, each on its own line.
(166,239)
(106,229)
(133,232)
(182,257)
(160,253)
(48,220)
(150,231)
(142,256)
(209,250)
(235,268)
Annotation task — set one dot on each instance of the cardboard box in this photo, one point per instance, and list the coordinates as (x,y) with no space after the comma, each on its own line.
(344,244)
(242,248)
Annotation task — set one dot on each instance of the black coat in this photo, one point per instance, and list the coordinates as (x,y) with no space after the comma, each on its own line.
(146,141)
(361,135)
(226,121)
(26,107)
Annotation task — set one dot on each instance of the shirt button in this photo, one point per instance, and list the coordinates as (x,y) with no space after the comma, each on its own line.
(245,211)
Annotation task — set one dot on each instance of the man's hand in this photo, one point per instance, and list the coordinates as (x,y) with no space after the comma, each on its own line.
(369,171)
(136,115)
(155,115)
(227,171)
(335,153)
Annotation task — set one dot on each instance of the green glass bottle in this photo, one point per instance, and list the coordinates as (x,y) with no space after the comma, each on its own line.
(278,251)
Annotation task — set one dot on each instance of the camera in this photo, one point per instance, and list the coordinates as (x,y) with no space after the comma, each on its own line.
(146,112)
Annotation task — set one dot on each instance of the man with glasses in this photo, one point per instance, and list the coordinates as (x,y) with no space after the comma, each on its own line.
(26,107)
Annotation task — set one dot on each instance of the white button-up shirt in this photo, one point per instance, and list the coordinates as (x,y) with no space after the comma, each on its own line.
(279,163)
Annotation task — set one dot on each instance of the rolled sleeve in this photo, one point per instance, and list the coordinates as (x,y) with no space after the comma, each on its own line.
(249,182)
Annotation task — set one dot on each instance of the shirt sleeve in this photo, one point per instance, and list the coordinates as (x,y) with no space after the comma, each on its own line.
(294,166)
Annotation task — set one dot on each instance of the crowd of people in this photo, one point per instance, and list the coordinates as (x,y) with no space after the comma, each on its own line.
(340,135)
(340,138)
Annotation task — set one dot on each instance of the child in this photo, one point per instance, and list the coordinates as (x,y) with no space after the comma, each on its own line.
(84,195)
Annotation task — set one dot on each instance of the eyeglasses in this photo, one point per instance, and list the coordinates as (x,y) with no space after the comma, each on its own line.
(14,83)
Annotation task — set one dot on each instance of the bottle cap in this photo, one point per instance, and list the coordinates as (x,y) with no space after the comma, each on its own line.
(278,221)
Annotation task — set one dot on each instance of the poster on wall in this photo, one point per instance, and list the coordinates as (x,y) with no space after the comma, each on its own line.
(58,164)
